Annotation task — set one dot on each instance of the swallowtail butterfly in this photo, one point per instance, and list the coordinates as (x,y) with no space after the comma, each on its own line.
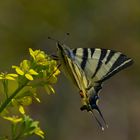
(88,68)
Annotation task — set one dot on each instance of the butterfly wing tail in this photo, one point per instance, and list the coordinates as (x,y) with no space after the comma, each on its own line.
(93,100)
(100,113)
(100,124)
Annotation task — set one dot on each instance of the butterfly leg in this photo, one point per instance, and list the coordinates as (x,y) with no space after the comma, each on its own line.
(54,57)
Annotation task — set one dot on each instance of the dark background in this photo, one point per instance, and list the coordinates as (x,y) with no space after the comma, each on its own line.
(111,24)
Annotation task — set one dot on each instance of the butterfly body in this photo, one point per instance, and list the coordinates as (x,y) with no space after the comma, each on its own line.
(88,68)
(73,71)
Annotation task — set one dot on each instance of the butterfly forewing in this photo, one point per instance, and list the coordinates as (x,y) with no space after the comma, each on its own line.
(100,64)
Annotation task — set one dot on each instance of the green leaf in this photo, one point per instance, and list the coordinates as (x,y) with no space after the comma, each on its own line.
(32,127)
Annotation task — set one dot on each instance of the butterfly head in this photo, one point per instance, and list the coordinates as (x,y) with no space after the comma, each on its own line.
(64,50)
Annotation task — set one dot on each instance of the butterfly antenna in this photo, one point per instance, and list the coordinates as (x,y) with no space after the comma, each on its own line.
(66,37)
(53,39)
(54,57)
(99,123)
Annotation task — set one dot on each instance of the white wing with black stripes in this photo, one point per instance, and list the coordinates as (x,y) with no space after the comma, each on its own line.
(100,64)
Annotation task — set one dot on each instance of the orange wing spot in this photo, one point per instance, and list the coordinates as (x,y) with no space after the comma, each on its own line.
(81,94)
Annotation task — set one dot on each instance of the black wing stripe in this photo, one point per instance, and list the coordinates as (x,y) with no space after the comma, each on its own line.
(98,88)
(102,56)
(92,51)
(74,51)
(84,58)
(111,54)
(120,60)
(122,66)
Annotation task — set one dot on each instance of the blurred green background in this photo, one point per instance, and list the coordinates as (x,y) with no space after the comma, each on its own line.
(91,23)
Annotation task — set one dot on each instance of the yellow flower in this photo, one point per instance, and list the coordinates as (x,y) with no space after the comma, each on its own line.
(25,101)
(33,72)
(24,69)
(39,132)
(10,76)
(21,109)
(39,57)
(57,72)
(49,89)
(18,70)
(13,119)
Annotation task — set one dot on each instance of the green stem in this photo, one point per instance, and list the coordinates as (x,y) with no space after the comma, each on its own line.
(13,128)
(8,100)
(5,86)
(17,138)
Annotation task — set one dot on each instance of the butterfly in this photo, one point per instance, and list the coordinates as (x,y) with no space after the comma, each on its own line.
(89,68)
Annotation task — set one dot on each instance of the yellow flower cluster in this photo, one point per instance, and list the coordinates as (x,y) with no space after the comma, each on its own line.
(39,57)
(41,66)
(10,76)
(25,69)
(28,125)
(13,119)
(40,70)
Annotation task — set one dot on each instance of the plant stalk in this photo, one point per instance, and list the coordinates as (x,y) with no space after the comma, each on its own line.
(8,100)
